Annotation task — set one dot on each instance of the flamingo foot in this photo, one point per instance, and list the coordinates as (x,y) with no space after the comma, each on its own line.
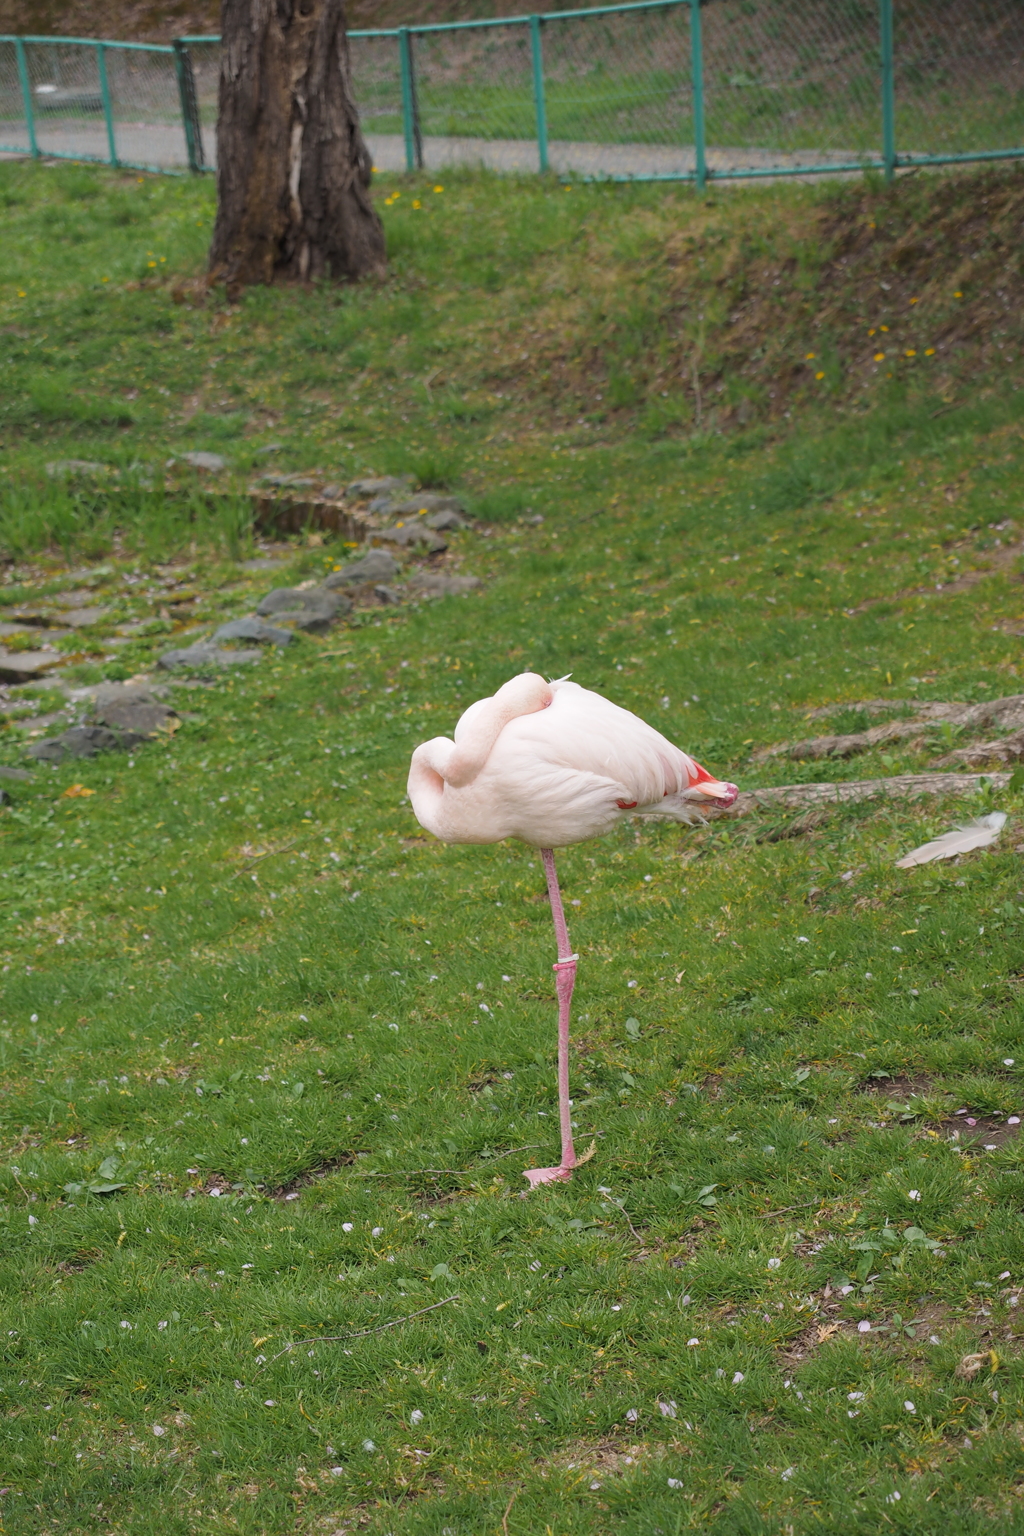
(559,1175)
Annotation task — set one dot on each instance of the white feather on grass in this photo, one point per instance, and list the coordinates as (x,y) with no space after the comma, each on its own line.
(976,834)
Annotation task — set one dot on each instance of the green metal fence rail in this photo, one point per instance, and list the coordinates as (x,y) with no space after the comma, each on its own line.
(694,90)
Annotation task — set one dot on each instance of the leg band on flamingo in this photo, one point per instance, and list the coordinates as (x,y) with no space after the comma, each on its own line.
(565,978)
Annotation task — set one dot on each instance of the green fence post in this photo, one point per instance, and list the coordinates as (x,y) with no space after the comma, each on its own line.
(888,91)
(540,106)
(189,106)
(408,107)
(697,74)
(108,107)
(26,91)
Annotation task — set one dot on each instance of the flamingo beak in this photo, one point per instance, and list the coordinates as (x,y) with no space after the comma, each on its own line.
(715,789)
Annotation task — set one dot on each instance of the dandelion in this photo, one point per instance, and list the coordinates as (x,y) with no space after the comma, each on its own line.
(150,263)
(416,203)
(810,355)
(911,353)
(819,375)
(958,294)
(872,331)
(929,351)
(439,189)
(879,357)
(883,327)
(915,301)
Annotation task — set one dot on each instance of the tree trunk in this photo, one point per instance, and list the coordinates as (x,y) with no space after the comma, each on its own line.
(293,169)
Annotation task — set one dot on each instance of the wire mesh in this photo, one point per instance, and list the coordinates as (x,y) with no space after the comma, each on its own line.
(618,92)
(146,108)
(791,88)
(14,137)
(204,56)
(377,85)
(474,96)
(959,77)
(67,102)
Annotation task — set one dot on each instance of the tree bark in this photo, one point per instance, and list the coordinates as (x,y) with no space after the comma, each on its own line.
(293,169)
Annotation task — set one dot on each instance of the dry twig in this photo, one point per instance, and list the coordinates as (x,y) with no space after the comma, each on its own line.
(362,1333)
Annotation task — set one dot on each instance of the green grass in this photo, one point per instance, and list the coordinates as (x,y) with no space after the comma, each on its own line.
(239,966)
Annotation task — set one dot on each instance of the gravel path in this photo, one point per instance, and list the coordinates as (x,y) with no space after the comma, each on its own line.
(163,145)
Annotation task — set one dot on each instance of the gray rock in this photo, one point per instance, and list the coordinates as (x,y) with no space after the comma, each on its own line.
(378,565)
(390,595)
(204,656)
(436,585)
(386,485)
(442,522)
(252,629)
(313,610)
(410,534)
(213,462)
(136,717)
(81,599)
(59,469)
(25,666)
(269,448)
(298,481)
(83,741)
(262,565)
(21,774)
(331,492)
(380,504)
(82,618)
(426,501)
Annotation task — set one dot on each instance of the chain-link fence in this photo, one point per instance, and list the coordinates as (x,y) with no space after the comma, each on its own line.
(674,89)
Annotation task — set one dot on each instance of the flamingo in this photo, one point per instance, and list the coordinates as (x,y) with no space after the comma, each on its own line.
(552,763)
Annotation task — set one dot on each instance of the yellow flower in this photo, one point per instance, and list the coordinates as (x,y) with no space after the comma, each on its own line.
(439,189)
(150,263)
(872,331)
(958,294)
(22,294)
(104,279)
(910,354)
(914,301)
(416,203)
(929,351)
(809,356)
(373,172)
(819,375)
(879,357)
(883,327)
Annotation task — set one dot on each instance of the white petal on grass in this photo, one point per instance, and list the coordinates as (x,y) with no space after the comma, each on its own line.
(788,1474)
(675,1482)
(737,1378)
(864,1327)
(632,1415)
(913,1194)
(909,1406)
(416,1417)
(368,1445)
(158,1430)
(774,1263)
(668,1410)
(855,1397)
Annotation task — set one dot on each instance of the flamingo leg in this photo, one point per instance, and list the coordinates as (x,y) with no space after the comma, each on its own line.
(565,978)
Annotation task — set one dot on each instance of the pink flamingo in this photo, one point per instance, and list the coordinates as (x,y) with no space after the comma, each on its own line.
(551,764)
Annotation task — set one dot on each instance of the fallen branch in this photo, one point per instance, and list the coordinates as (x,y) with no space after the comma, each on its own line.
(901,786)
(363,1333)
(1005,713)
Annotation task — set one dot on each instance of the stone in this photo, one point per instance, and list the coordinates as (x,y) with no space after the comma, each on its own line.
(443,522)
(269,448)
(426,501)
(22,775)
(83,741)
(252,629)
(386,485)
(378,565)
(83,618)
(299,481)
(436,585)
(203,655)
(262,565)
(137,717)
(80,599)
(313,610)
(212,462)
(25,666)
(410,534)
(58,469)
(389,594)
(380,504)
(331,492)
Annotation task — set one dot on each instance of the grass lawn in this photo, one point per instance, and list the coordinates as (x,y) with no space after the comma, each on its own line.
(272,1059)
